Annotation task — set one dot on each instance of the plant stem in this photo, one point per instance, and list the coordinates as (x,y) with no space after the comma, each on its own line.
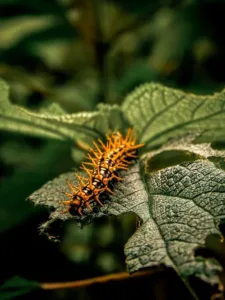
(90,281)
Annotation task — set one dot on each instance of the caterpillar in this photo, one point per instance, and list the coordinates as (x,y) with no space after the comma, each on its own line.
(105,161)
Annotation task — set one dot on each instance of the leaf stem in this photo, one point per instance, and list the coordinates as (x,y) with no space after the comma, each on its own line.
(90,281)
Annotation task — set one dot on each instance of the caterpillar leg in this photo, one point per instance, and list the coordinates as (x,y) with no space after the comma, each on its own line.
(80,211)
(108,190)
(65,202)
(116,177)
(97,200)
(88,206)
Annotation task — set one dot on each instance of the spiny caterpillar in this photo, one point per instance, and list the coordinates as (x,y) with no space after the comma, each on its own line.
(105,162)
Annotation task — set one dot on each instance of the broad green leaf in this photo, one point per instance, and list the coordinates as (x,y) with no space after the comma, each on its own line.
(52,109)
(13,119)
(159,113)
(80,128)
(185,204)
(88,119)
(114,118)
(51,196)
(179,206)
(84,126)
(17,286)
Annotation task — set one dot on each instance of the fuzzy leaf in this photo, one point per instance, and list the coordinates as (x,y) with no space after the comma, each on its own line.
(179,207)
(160,113)
(185,204)
(51,196)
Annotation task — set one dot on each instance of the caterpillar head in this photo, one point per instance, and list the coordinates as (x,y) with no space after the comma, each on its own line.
(75,206)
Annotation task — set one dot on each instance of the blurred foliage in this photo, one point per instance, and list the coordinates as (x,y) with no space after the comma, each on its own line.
(79,53)
(17,286)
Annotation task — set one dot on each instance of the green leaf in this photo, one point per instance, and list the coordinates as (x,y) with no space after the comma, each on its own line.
(52,109)
(160,113)
(182,206)
(13,119)
(51,196)
(81,127)
(114,118)
(17,286)
(179,206)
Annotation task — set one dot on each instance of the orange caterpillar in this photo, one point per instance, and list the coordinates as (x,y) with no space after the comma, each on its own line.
(105,162)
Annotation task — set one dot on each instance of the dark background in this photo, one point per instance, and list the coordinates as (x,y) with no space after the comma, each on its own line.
(78,54)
